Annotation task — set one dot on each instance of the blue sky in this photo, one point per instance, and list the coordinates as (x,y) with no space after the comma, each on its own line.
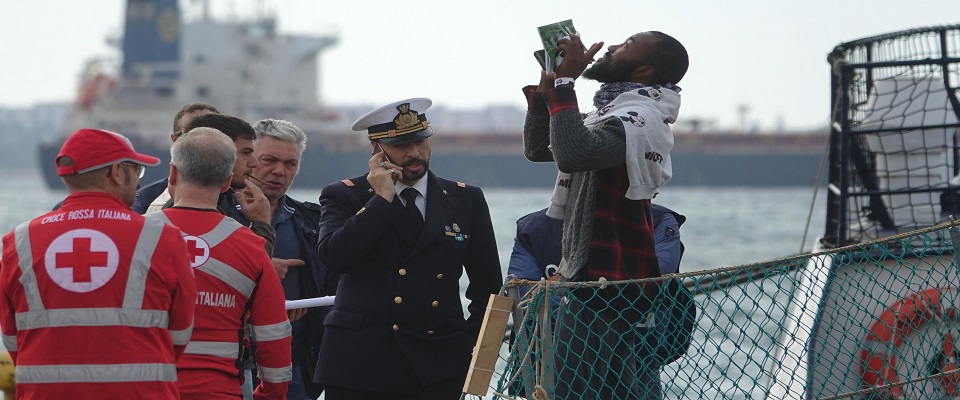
(766,56)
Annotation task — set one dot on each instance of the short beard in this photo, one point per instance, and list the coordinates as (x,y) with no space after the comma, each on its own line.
(238,185)
(611,71)
(411,176)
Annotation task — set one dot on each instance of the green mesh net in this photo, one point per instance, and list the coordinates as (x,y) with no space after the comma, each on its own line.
(873,320)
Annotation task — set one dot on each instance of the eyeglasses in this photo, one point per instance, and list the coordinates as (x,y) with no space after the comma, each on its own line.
(140,169)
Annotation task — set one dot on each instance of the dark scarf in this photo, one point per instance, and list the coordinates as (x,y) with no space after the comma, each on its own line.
(610,91)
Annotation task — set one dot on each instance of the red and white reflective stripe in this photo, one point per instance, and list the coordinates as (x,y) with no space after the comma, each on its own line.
(140,265)
(221,232)
(96,373)
(223,272)
(218,234)
(275,375)
(265,333)
(229,350)
(10,342)
(181,338)
(216,268)
(130,314)
(28,277)
(229,275)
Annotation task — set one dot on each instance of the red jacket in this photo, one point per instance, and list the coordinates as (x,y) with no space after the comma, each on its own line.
(95,302)
(234,274)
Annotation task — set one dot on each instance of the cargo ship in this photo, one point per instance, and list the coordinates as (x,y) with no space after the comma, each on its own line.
(248,69)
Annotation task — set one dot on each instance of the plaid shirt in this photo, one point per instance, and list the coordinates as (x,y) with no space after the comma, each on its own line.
(621,246)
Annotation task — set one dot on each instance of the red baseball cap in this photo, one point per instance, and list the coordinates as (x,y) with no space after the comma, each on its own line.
(94,148)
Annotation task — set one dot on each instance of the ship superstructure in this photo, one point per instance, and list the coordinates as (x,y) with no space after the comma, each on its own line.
(243,67)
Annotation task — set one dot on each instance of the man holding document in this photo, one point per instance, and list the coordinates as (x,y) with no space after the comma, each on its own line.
(279,150)
(612,162)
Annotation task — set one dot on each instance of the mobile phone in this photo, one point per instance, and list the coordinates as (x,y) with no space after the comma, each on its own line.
(541,56)
(383,153)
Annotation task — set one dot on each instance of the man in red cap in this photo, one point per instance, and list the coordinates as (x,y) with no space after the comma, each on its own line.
(96,301)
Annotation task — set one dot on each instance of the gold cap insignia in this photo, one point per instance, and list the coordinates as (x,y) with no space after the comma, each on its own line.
(406,118)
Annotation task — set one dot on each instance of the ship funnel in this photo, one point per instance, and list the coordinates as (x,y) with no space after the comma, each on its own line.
(151,39)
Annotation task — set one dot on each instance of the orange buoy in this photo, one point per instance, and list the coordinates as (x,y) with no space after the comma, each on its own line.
(886,335)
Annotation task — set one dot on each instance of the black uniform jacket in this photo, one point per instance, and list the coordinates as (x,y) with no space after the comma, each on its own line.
(398,319)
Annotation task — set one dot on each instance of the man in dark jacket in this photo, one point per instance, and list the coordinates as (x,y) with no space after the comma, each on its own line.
(149,193)
(278,149)
(253,209)
(401,237)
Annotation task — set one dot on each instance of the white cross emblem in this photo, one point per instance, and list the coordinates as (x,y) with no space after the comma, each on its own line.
(198,249)
(81,260)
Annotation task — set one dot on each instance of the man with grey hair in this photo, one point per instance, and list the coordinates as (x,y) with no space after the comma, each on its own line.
(278,148)
(236,281)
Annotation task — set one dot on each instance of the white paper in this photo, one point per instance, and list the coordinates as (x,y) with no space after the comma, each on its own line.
(308,303)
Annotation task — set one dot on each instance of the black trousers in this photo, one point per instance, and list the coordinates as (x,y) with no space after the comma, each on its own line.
(450,389)
(597,357)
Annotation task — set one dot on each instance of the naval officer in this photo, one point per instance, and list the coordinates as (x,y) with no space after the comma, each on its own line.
(401,237)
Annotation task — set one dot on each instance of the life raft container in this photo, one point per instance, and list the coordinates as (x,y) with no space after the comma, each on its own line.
(888,332)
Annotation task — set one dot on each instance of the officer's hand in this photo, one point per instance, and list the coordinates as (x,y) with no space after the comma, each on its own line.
(575,60)
(253,203)
(284,264)
(383,176)
(294,315)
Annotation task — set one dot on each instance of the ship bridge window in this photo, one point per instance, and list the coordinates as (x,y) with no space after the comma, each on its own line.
(203,91)
(199,59)
(164,92)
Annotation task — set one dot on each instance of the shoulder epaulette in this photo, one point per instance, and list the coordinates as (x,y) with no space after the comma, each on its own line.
(461,184)
(347,182)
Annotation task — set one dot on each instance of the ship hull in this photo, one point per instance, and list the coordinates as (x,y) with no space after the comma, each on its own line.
(514,171)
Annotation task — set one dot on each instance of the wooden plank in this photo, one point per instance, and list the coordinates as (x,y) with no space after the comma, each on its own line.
(487,350)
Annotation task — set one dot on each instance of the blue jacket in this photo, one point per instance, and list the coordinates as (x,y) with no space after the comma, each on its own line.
(147,194)
(536,254)
(536,249)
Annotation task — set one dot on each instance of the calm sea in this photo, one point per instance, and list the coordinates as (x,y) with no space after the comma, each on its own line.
(725,225)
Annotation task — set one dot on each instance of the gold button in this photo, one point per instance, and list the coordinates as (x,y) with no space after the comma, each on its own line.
(439,276)
(429,332)
(396,327)
(402,272)
(398,299)
(435,303)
